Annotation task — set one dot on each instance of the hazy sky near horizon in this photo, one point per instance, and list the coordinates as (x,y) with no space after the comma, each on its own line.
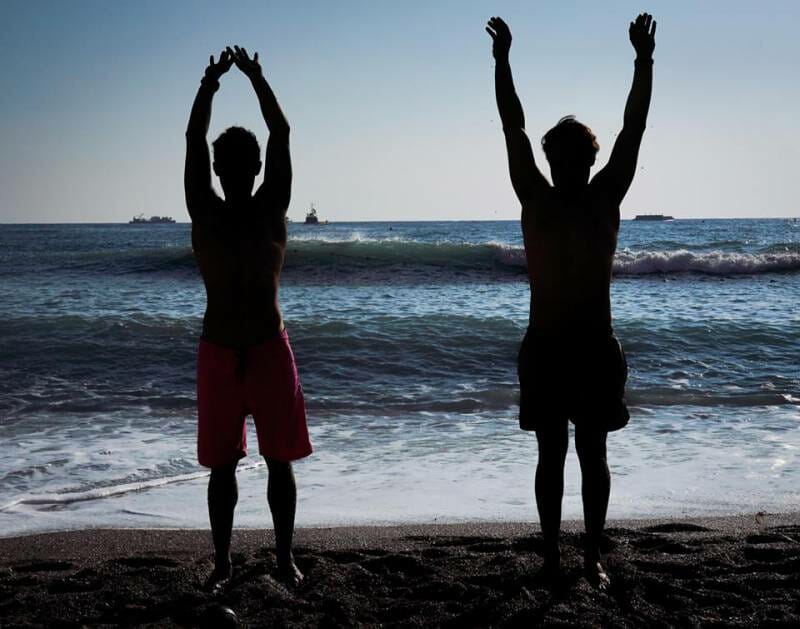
(392,103)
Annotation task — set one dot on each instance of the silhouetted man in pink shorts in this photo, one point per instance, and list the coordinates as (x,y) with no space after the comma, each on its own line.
(245,364)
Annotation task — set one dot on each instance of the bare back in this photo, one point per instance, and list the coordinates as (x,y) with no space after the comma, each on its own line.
(240,254)
(570,230)
(239,243)
(569,246)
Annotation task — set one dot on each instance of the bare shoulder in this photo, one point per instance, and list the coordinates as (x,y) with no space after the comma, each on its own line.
(604,203)
(540,198)
(267,220)
(206,214)
(602,183)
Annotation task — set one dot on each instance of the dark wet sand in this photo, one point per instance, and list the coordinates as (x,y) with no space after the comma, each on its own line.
(737,571)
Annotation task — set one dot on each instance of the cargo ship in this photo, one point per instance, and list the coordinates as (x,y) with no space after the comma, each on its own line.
(153,220)
(653,217)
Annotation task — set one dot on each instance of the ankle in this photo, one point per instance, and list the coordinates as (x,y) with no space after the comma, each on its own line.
(222,562)
(284,558)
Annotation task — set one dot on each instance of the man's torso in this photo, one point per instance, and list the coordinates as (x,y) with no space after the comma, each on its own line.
(569,245)
(240,253)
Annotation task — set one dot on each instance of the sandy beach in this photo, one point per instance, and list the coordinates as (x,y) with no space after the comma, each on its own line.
(734,571)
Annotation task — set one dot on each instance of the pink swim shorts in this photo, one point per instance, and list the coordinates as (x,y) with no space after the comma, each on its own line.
(260,381)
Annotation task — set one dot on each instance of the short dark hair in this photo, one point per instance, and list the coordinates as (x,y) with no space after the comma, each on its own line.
(570,137)
(236,145)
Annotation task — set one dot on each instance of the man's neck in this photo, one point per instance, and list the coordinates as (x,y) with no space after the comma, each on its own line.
(238,201)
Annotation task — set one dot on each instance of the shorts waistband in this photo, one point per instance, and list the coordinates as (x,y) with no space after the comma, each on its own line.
(281,336)
(570,334)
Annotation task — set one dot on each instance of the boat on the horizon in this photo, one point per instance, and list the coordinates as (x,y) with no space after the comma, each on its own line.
(653,217)
(153,220)
(312,218)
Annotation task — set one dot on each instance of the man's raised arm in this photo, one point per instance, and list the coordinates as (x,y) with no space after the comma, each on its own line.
(525,176)
(197,170)
(618,174)
(277,187)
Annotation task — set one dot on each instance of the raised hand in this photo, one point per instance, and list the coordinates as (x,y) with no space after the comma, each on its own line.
(249,67)
(643,35)
(501,38)
(216,70)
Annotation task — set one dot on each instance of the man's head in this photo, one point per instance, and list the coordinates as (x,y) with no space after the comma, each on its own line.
(571,148)
(237,161)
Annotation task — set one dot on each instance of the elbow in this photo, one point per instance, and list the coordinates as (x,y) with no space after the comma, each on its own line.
(634,124)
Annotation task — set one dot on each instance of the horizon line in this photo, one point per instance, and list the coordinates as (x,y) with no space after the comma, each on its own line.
(444,220)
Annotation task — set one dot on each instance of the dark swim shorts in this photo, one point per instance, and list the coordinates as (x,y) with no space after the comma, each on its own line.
(572,376)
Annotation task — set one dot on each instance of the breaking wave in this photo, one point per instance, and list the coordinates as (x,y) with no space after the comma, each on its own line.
(629,262)
(365,259)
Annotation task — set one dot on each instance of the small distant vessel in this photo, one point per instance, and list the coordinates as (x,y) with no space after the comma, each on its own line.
(153,220)
(312,218)
(653,217)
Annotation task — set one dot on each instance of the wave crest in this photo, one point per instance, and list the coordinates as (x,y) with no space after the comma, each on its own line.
(368,259)
(629,262)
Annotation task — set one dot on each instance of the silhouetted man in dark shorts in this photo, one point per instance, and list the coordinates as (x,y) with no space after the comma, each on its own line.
(571,367)
(245,364)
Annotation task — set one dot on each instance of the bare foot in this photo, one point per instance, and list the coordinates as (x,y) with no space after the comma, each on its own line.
(596,575)
(218,580)
(289,574)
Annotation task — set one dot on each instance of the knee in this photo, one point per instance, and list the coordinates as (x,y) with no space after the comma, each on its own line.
(224,473)
(553,445)
(593,463)
(590,446)
(222,487)
(280,468)
(551,462)
(591,456)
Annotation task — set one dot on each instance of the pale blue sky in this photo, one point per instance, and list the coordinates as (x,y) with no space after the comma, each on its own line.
(391,103)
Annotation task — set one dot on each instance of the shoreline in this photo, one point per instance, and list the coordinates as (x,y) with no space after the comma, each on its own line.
(744,521)
(731,570)
(316,534)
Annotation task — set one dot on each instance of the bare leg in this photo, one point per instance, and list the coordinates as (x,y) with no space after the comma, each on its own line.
(553,442)
(595,488)
(223,493)
(282,500)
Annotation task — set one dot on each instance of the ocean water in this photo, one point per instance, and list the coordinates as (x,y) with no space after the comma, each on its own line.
(406,337)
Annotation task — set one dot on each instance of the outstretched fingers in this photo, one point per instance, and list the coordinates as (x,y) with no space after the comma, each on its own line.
(240,54)
(645,22)
(499,26)
(215,68)
(642,33)
(249,66)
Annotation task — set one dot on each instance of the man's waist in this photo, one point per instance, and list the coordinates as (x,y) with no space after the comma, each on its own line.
(236,331)
(571,333)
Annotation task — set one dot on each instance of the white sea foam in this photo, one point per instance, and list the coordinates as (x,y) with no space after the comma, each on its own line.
(714,262)
(43,500)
